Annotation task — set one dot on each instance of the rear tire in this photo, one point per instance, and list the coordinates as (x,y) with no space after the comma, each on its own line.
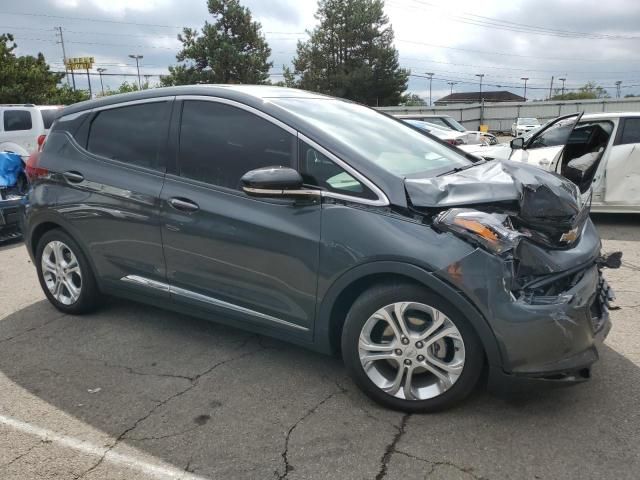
(65,274)
(427,362)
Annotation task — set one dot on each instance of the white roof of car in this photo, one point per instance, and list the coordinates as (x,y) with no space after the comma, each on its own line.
(596,116)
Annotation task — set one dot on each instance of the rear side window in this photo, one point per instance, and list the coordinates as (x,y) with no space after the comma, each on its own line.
(220,143)
(48,116)
(630,131)
(15,120)
(131,134)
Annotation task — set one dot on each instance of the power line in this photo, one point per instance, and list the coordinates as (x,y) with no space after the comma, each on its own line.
(87,19)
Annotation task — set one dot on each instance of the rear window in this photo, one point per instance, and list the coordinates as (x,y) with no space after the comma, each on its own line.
(15,120)
(48,116)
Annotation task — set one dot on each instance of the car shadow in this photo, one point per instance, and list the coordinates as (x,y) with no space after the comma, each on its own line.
(231,404)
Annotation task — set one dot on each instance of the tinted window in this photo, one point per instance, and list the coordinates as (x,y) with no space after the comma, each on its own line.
(631,131)
(48,116)
(130,134)
(15,120)
(220,143)
(319,171)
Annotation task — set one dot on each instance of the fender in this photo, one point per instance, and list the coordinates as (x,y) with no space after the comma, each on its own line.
(428,279)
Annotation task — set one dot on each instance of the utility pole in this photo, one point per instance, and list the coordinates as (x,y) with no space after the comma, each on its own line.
(64,57)
(618,92)
(525,87)
(451,84)
(481,75)
(89,82)
(100,72)
(138,57)
(430,75)
(551,88)
(563,79)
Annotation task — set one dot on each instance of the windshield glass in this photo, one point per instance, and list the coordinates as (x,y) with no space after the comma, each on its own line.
(455,124)
(528,121)
(390,144)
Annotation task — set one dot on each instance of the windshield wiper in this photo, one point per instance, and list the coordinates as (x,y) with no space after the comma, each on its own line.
(460,169)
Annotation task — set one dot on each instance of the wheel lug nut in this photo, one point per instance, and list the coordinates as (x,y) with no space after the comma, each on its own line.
(407,362)
(419,345)
(420,358)
(405,340)
(398,351)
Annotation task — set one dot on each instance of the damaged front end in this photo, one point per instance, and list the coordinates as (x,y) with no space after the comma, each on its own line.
(537,274)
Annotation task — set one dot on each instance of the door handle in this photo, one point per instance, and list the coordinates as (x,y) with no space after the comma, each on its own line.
(184,205)
(73,177)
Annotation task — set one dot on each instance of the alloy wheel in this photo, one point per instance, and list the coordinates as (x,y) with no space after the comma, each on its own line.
(411,351)
(61,272)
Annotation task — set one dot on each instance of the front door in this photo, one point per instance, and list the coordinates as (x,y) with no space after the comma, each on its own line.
(247,258)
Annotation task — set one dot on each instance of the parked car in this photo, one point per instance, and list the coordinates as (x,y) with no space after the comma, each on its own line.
(330,225)
(24,127)
(447,122)
(448,135)
(599,152)
(524,125)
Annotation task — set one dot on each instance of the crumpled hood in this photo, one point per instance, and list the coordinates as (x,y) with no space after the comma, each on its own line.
(539,195)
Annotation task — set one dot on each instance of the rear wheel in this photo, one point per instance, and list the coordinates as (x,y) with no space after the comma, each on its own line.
(410,350)
(65,274)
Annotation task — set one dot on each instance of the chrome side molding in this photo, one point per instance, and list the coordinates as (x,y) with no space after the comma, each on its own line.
(171,289)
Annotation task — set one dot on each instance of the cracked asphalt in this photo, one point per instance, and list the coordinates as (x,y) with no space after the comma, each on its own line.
(133,392)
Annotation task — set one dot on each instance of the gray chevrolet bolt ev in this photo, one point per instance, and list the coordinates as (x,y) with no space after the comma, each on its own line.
(324,223)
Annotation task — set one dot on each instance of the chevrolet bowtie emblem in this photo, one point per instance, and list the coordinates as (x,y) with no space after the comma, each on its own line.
(570,236)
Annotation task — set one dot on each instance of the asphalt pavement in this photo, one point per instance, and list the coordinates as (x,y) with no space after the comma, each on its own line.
(133,392)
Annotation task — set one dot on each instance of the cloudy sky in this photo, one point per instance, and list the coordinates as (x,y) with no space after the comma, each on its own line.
(580,40)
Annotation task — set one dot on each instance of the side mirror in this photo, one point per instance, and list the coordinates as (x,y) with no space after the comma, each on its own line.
(273,182)
(517,143)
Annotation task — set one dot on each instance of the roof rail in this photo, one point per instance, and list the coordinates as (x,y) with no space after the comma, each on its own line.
(17,105)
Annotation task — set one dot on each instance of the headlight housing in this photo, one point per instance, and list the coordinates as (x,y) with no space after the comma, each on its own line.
(492,231)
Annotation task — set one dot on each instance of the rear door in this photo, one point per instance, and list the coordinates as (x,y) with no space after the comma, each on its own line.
(622,174)
(544,147)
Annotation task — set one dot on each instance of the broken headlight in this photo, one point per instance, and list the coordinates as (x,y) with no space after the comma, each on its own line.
(492,231)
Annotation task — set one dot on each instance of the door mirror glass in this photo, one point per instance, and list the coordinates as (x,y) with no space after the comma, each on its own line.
(272,181)
(517,143)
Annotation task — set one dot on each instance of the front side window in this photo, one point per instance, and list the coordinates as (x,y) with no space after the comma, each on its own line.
(390,144)
(130,134)
(631,131)
(16,120)
(319,171)
(554,136)
(219,143)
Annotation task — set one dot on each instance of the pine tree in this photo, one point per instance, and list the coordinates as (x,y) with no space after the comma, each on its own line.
(232,49)
(350,54)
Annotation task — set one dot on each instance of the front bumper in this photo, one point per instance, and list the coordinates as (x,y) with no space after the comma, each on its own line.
(552,338)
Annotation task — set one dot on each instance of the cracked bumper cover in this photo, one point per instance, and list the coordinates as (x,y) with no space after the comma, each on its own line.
(555,340)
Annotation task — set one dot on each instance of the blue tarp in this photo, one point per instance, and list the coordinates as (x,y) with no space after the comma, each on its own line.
(10,168)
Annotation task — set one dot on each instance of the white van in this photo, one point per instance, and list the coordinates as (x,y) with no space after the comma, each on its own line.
(24,127)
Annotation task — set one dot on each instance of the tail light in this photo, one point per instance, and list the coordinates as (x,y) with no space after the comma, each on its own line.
(32,170)
(41,140)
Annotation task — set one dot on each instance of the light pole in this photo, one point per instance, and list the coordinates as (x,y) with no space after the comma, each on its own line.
(481,75)
(618,92)
(563,80)
(430,75)
(138,57)
(525,87)
(100,71)
(451,84)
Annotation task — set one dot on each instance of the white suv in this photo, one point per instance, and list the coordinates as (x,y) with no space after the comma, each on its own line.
(24,127)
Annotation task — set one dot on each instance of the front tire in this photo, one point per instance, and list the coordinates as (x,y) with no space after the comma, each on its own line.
(410,350)
(65,274)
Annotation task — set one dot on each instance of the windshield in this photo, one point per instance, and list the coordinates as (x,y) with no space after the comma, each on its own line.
(391,144)
(528,121)
(455,125)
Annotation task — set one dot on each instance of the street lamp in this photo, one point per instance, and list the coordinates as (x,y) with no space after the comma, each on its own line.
(562,80)
(451,84)
(430,75)
(525,87)
(137,57)
(481,75)
(100,71)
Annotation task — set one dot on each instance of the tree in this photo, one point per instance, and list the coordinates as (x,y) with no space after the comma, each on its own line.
(230,50)
(126,87)
(350,54)
(412,100)
(588,91)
